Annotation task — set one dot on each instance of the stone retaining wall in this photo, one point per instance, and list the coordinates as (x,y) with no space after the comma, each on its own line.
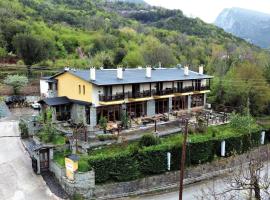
(170,180)
(83,184)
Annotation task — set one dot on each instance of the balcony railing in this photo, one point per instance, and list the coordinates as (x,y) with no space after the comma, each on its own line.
(115,97)
(149,93)
(141,94)
(166,91)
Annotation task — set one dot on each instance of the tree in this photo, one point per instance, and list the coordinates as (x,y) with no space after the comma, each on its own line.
(16,81)
(102,59)
(133,59)
(247,181)
(155,52)
(32,49)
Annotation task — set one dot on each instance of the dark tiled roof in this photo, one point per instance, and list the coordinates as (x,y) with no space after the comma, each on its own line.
(109,76)
(62,101)
(55,101)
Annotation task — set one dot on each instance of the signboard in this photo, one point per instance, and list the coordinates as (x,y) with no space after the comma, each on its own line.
(71,167)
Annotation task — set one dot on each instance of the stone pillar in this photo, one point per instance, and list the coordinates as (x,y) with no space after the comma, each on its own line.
(151,108)
(170,104)
(204,99)
(78,113)
(93,116)
(189,102)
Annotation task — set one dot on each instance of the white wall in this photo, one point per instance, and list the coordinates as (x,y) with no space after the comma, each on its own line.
(144,86)
(128,88)
(187,84)
(95,94)
(44,88)
(203,83)
(117,89)
(167,85)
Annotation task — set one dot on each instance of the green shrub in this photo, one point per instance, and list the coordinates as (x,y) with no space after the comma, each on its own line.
(118,167)
(83,164)
(124,167)
(233,145)
(200,152)
(255,139)
(148,140)
(77,196)
(242,123)
(101,164)
(104,137)
(24,130)
(153,160)
(103,123)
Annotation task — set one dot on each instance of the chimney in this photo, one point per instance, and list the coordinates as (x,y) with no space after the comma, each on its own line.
(201,69)
(119,73)
(148,71)
(186,71)
(92,74)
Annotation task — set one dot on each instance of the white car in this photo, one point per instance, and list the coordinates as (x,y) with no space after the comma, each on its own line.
(35,105)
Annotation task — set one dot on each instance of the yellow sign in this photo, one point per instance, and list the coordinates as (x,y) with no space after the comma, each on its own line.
(71,167)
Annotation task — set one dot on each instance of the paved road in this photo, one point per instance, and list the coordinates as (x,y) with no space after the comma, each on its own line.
(201,190)
(17,180)
(191,192)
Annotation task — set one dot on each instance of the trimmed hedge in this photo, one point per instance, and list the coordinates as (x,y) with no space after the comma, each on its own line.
(120,167)
(131,164)
(152,161)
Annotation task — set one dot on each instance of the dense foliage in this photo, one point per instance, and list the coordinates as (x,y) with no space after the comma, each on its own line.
(85,33)
(16,81)
(123,163)
(23,129)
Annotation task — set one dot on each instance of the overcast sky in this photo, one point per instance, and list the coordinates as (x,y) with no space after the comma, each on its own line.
(208,10)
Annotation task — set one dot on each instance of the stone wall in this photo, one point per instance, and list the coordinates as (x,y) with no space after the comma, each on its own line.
(170,180)
(83,184)
(78,113)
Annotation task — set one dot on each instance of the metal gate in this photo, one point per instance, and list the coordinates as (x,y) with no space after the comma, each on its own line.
(44,160)
(34,164)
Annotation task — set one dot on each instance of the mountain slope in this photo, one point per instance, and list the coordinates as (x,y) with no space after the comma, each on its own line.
(250,25)
(108,34)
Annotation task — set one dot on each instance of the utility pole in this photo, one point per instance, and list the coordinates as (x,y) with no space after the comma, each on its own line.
(183,158)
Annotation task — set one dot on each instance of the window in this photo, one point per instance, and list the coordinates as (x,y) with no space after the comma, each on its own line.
(197,100)
(79,89)
(179,103)
(162,106)
(83,89)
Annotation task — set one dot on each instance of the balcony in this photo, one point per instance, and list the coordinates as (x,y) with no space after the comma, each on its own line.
(116,97)
(143,94)
(150,93)
(167,91)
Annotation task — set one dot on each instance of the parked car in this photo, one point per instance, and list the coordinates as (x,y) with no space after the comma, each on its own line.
(35,105)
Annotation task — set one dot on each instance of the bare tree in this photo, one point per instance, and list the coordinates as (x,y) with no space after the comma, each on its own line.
(249,181)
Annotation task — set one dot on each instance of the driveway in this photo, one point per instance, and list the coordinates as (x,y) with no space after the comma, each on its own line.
(17,179)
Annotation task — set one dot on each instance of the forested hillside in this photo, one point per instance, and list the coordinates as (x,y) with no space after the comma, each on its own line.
(83,33)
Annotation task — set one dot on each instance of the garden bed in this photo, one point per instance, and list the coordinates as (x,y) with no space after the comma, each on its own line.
(128,161)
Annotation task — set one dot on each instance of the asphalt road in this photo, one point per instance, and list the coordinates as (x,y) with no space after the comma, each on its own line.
(191,192)
(17,179)
(201,190)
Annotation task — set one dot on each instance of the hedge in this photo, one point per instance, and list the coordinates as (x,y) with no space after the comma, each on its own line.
(120,167)
(131,164)
(153,160)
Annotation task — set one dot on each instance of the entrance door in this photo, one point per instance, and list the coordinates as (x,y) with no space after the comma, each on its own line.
(44,160)
(34,164)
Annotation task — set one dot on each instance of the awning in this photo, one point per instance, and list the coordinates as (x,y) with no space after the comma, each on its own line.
(55,101)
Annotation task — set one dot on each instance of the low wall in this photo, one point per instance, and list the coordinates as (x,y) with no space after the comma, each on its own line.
(170,180)
(83,184)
